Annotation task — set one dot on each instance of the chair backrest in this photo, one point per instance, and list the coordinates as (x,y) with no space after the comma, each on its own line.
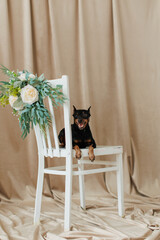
(44,143)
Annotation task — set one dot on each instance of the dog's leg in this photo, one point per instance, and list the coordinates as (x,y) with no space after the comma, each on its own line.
(78,151)
(91,153)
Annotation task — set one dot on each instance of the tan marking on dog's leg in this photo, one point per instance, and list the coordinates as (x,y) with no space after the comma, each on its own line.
(78,151)
(91,153)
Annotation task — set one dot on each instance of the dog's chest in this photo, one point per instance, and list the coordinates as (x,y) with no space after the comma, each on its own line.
(82,138)
(81,134)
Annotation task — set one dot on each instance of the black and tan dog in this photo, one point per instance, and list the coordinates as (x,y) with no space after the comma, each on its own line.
(81,133)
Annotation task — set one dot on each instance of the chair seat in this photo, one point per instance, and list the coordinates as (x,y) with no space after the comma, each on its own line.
(98,151)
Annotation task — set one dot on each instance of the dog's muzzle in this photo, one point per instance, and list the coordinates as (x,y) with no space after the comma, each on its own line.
(81,124)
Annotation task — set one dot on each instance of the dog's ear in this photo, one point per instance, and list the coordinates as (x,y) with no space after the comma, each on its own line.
(74,109)
(89,109)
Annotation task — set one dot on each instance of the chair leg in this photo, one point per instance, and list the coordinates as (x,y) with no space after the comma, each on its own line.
(39,190)
(120,185)
(68,194)
(81,185)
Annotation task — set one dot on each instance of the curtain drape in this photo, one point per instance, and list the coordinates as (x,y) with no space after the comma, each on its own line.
(110,51)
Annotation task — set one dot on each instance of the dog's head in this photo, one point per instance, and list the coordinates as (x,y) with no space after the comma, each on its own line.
(81,117)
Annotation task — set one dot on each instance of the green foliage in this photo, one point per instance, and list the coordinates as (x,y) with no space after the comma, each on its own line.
(4,100)
(32,115)
(11,74)
(14,91)
(18,103)
(29,114)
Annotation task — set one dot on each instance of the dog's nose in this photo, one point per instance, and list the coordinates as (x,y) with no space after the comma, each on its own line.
(80,120)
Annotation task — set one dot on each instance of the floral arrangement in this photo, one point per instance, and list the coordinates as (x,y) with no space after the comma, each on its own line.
(25,92)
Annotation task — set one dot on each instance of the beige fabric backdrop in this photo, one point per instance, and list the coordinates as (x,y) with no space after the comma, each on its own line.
(110,51)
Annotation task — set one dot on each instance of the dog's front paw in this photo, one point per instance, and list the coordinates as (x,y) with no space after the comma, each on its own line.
(91,157)
(91,153)
(78,154)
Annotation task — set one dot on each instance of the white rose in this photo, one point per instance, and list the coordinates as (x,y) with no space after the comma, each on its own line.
(29,94)
(22,77)
(32,76)
(12,99)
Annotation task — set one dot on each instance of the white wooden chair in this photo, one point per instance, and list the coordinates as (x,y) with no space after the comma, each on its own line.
(46,149)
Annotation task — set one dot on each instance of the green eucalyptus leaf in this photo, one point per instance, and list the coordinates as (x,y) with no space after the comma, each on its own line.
(17,83)
(5,83)
(25,110)
(3,89)
(27,75)
(41,78)
(59,86)
(18,103)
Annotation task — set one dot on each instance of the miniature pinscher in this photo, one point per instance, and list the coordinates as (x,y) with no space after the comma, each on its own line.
(81,133)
